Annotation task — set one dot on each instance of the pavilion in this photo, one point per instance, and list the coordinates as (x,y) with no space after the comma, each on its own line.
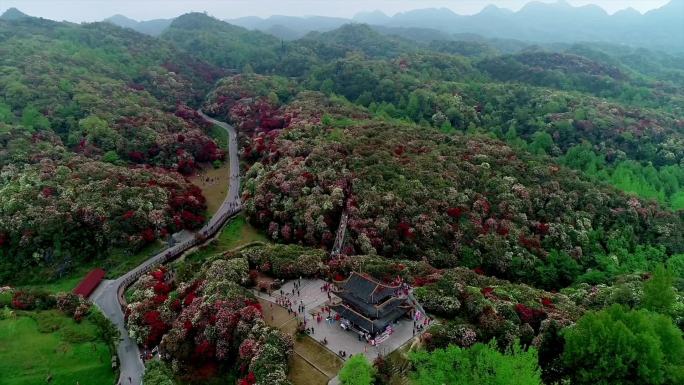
(370,305)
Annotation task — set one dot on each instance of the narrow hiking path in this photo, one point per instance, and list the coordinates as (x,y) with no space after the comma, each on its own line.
(109,295)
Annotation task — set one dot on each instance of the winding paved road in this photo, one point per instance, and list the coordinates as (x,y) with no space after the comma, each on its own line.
(109,295)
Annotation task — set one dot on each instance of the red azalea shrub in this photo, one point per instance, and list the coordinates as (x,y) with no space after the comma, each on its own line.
(205,350)
(157,327)
(22,300)
(422,281)
(531,243)
(148,235)
(542,228)
(189,298)
(47,192)
(503,229)
(487,291)
(547,302)
(160,299)
(455,212)
(162,288)
(185,166)
(246,349)
(405,230)
(159,274)
(250,379)
(530,315)
(136,156)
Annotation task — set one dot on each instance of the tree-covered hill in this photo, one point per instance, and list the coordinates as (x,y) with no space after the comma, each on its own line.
(94,133)
(359,38)
(114,95)
(413,192)
(13,14)
(222,44)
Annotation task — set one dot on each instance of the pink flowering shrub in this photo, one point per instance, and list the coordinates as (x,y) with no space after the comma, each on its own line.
(206,322)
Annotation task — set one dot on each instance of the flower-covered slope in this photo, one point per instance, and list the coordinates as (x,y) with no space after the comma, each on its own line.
(413,192)
(208,324)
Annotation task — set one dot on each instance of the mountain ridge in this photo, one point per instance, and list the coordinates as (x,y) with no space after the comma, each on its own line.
(535,22)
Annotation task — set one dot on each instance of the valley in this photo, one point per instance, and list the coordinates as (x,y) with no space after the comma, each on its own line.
(512,189)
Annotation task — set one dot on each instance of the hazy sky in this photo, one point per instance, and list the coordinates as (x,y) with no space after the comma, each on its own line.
(92,10)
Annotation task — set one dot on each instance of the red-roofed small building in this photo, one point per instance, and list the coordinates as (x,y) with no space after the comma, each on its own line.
(91,281)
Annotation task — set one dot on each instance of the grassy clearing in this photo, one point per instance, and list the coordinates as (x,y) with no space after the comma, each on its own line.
(325,360)
(238,233)
(214,180)
(235,234)
(307,351)
(214,185)
(302,373)
(117,263)
(219,135)
(35,345)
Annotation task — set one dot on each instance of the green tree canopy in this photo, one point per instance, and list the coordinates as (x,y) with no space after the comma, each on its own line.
(659,295)
(357,371)
(157,373)
(618,346)
(480,364)
(32,119)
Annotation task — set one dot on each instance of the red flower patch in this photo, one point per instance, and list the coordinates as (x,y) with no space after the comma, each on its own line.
(529,315)
(542,228)
(487,291)
(205,349)
(405,230)
(148,235)
(47,192)
(136,156)
(189,298)
(162,288)
(159,299)
(455,212)
(547,302)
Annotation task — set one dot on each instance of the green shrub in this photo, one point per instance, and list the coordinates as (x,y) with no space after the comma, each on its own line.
(619,346)
(357,371)
(157,373)
(48,321)
(5,298)
(480,364)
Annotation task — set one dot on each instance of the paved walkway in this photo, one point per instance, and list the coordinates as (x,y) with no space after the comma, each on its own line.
(108,295)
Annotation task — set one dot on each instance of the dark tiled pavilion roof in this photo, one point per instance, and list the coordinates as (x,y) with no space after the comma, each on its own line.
(370,310)
(367,289)
(369,325)
(368,304)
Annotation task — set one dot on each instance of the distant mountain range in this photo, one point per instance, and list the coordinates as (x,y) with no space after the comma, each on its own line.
(536,22)
(150,27)
(661,28)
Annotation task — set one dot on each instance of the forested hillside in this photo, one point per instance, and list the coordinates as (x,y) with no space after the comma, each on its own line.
(530,194)
(95,132)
